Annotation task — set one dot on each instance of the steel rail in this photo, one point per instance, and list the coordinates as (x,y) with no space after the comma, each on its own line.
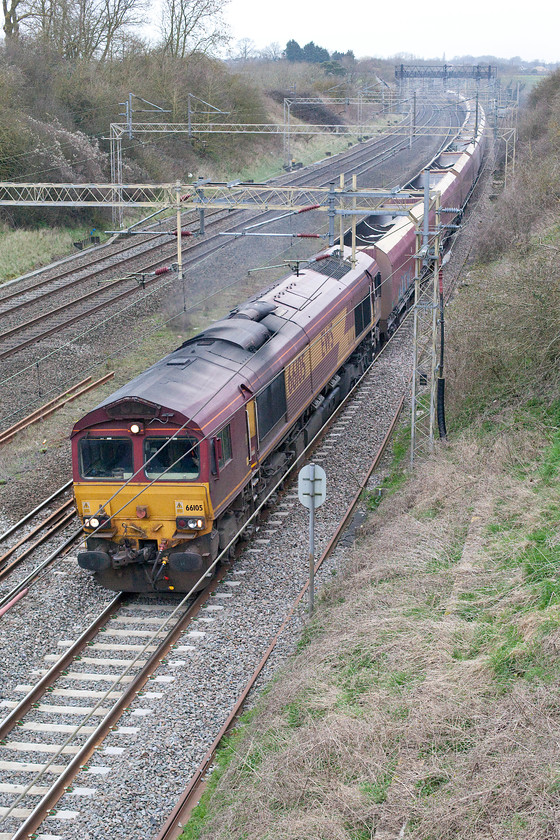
(39,411)
(59,666)
(35,510)
(56,514)
(95,293)
(117,256)
(64,520)
(73,393)
(34,573)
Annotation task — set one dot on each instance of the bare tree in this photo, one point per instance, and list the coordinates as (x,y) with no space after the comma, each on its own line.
(192,26)
(244,50)
(15,12)
(81,28)
(272,52)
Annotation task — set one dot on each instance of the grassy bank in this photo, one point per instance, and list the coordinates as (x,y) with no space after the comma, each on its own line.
(24,250)
(423,700)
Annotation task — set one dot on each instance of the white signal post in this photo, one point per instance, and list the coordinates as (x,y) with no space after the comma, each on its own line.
(312,492)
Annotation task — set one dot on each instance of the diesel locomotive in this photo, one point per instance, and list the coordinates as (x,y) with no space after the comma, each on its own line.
(171,466)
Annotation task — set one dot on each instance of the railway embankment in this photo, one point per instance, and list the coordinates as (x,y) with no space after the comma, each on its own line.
(422,700)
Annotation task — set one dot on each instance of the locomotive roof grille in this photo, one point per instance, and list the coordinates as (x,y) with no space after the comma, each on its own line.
(133,409)
(332,268)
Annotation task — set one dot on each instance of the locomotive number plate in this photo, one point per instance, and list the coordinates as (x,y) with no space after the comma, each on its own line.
(185,507)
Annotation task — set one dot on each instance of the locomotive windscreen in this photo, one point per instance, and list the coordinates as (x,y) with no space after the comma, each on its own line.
(105,457)
(178,461)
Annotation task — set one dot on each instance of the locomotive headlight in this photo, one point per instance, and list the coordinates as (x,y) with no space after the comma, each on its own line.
(190,523)
(136,428)
(101,522)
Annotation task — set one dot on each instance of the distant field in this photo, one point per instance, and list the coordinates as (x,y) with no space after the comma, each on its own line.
(23,250)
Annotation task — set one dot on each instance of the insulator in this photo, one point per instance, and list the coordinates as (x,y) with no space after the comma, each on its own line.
(308,236)
(311,207)
(164,270)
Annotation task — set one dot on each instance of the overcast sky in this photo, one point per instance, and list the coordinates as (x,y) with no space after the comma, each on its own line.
(425,29)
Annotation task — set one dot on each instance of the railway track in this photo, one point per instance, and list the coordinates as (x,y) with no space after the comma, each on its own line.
(29,375)
(115,254)
(201,679)
(173,826)
(125,644)
(121,646)
(19,545)
(104,293)
(220,658)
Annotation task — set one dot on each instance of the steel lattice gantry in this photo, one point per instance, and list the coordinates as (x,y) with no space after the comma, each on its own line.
(300,129)
(335,201)
(478,72)
(233,196)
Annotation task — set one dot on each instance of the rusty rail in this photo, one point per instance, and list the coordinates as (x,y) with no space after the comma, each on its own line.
(53,405)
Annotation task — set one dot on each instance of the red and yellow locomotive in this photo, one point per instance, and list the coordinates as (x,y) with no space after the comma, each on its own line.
(170,467)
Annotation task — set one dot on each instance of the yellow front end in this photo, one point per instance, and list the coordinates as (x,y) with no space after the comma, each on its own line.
(150,515)
(156,540)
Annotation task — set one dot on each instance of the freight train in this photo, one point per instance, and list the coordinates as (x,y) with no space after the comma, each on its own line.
(170,467)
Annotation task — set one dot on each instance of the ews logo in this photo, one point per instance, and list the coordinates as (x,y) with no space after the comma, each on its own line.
(296,375)
(327,341)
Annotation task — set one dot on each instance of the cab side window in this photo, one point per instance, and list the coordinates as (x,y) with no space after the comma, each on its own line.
(362,315)
(225,437)
(225,440)
(271,405)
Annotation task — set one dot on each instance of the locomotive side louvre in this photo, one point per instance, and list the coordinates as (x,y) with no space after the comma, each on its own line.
(280,418)
(324,309)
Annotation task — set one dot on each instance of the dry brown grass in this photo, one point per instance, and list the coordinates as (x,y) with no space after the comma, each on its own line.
(393,720)
(423,702)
